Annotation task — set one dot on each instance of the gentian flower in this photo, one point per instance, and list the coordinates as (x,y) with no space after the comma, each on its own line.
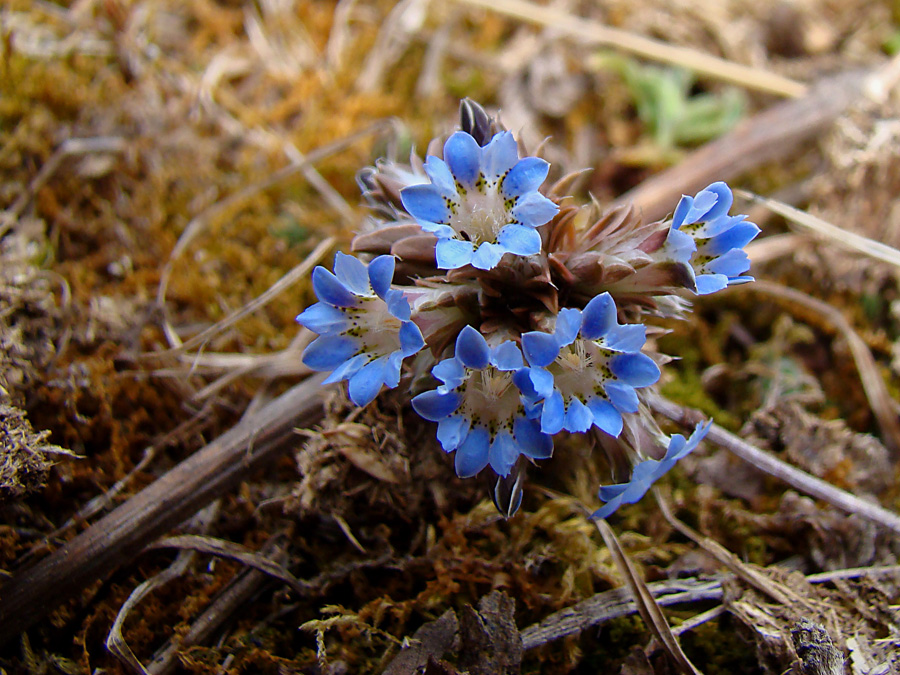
(647,472)
(471,237)
(482,202)
(479,411)
(712,241)
(364,326)
(585,373)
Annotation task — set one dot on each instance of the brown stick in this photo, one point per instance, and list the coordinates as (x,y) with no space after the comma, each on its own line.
(114,540)
(768,136)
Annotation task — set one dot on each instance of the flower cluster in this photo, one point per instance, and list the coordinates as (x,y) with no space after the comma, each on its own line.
(514,314)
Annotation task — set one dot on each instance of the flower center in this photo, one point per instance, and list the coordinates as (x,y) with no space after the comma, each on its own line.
(491,400)
(375,326)
(481,214)
(581,369)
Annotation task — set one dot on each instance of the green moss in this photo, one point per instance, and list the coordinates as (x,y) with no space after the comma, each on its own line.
(685,386)
(718,648)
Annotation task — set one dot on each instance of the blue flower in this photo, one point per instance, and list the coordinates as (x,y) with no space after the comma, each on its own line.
(648,472)
(482,202)
(479,411)
(364,326)
(704,235)
(585,373)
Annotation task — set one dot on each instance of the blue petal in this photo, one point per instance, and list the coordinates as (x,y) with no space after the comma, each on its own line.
(439,173)
(506,356)
(680,448)
(323,319)
(731,264)
(534,209)
(736,237)
(718,227)
(425,202)
(680,245)
(438,230)
(500,155)
(381,274)
(711,283)
(739,280)
(704,202)
(503,453)
(352,273)
(471,349)
(411,340)
(348,368)
(542,381)
(609,492)
(627,338)
(635,368)
(327,353)
(533,443)
(365,385)
(553,415)
(487,256)
(435,406)
(606,417)
(397,304)
(643,476)
(522,379)
(451,254)
(622,396)
(392,369)
(724,200)
(463,155)
(607,509)
(519,239)
(452,431)
(578,418)
(598,317)
(540,348)
(472,454)
(568,323)
(451,372)
(330,289)
(526,176)
(681,211)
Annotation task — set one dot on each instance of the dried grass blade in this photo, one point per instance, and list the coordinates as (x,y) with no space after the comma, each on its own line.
(646,603)
(825,230)
(743,571)
(115,641)
(228,549)
(199,222)
(598,34)
(883,406)
(237,593)
(764,461)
